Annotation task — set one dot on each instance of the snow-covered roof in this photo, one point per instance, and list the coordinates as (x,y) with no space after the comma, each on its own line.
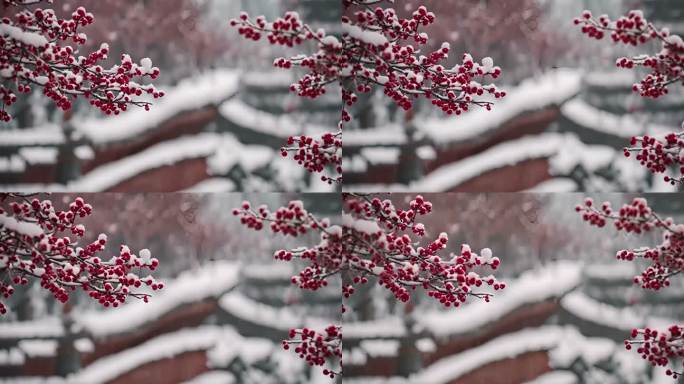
(283,126)
(625,126)
(210,88)
(625,319)
(210,280)
(46,135)
(505,154)
(551,88)
(169,152)
(165,346)
(557,278)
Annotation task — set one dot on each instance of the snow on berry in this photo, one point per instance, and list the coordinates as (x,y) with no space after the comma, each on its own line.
(35,244)
(35,51)
(377,49)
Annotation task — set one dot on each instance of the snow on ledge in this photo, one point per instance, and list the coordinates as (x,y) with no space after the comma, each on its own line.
(546,338)
(242,307)
(391,327)
(555,377)
(505,154)
(161,347)
(159,155)
(210,88)
(283,126)
(549,89)
(213,377)
(557,279)
(48,327)
(211,280)
(47,135)
(625,126)
(25,228)
(624,319)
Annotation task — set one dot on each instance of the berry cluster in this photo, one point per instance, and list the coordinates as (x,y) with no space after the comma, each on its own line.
(377,49)
(666,260)
(659,347)
(34,53)
(378,241)
(660,154)
(633,29)
(315,154)
(317,348)
(665,68)
(36,242)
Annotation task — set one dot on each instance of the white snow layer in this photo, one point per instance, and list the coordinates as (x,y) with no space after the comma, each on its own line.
(625,126)
(565,342)
(555,377)
(505,154)
(162,154)
(552,88)
(557,279)
(283,126)
(213,377)
(624,319)
(21,227)
(47,327)
(161,347)
(210,88)
(211,280)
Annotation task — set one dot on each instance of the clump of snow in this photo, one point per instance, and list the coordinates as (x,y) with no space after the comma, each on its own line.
(11,356)
(249,157)
(380,348)
(574,153)
(38,347)
(556,377)
(25,37)
(364,226)
(213,377)
(39,155)
(364,35)
(250,350)
(21,227)
(216,184)
(84,345)
(487,64)
(556,185)
(48,327)
(591,350)
(12,164)
(211,280)
(146,65)
(270,272)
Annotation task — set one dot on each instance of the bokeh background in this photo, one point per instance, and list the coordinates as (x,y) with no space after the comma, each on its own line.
(220,126)
(562,318)
(225,308)
(567,115)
